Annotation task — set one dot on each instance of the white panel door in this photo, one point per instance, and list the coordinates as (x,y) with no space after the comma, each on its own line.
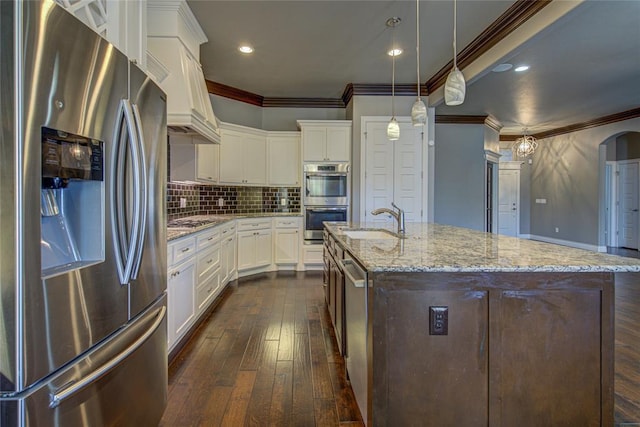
(508,202)
(378,172)
(407,186)
(628,197)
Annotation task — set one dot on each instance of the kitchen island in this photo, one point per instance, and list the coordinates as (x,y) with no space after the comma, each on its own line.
(466,328)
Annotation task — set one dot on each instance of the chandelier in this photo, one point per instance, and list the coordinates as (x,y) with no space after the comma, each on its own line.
(525,146)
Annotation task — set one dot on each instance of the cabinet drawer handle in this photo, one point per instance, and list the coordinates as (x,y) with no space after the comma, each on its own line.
(210,238)
(229,239)
(185,250)
(210,261)
(224,231)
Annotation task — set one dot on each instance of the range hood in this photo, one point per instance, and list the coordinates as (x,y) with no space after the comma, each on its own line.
(173,60)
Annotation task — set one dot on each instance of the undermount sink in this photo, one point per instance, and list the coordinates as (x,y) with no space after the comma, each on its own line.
(369,234)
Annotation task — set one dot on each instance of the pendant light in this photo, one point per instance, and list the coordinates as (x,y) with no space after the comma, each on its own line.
(525,146)
(455,87)
(393,129)
(419,110)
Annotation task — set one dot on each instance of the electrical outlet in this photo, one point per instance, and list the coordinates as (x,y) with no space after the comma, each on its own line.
(221,202)
(438,320)
(557,230)
(183,202)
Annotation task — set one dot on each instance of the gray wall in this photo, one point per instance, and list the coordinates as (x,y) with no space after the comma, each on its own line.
(459,175)
(567,171)
(272,118)
(285,118)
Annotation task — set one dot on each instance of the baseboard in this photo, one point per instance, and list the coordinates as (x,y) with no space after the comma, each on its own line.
(570,243)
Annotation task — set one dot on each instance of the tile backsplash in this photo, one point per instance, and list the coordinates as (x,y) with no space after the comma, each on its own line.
(199,199)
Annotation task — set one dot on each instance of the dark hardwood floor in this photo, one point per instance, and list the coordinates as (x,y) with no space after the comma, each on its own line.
(267,355)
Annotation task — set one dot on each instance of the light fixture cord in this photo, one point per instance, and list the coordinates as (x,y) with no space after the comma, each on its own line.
(418,44)
(393,70)
(455,27)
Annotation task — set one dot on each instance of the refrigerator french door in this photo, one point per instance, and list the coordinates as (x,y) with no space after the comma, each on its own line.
(83,240)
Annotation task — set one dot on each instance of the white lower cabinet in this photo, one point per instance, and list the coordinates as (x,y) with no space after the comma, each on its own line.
(254,244)
(228,253)
(181,279)
(287,240)
(193,280)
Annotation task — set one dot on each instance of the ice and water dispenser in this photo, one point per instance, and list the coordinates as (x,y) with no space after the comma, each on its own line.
(72,202)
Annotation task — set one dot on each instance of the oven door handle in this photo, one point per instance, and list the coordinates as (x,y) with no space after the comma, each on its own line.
(326,174)
(326,209)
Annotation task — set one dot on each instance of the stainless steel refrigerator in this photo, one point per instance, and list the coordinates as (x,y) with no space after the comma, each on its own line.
(82,227)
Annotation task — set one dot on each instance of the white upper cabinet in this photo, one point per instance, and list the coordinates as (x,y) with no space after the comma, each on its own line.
(193,162)
(243,155)
(284,158)
(326,140)
(122,23)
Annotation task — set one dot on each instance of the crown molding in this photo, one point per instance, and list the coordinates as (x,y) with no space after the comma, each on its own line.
(303,102)
(600,121)
(509,21)
(460,120)
(234,93)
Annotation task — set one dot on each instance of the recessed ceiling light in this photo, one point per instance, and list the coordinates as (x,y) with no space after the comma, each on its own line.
(245,49)
(521,68)
(502,67)
(394,52)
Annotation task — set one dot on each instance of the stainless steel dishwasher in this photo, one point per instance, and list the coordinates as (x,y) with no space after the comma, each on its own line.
(355,295)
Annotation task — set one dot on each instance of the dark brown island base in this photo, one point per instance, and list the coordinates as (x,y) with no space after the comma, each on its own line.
(453,327)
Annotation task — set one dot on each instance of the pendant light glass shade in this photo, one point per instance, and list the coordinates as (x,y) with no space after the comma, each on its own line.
(393,130)
(419,110)
(455,87)
(419,113)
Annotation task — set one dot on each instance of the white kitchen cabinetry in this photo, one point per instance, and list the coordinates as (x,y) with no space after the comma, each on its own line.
(326,140)
(193,162)
(312,257)
(193,279)
(287,240)
(181,281)
(243,155)
(284,158)
(122,23)
(208,267)
(254,244)
(228,252)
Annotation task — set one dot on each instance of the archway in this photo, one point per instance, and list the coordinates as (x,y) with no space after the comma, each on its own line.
(619,225)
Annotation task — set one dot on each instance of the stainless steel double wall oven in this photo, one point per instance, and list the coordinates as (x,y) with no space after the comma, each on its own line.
(326,196)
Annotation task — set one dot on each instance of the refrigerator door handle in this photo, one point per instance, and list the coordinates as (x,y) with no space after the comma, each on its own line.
(117,214)
(143,193)
(125,255)
(55,399)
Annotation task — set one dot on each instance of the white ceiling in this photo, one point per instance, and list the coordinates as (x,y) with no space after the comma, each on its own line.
(583,66)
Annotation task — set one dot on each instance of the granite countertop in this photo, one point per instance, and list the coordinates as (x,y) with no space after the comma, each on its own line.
(209,221)
(429,247)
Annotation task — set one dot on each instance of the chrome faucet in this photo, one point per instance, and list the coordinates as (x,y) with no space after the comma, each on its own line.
(399,216)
